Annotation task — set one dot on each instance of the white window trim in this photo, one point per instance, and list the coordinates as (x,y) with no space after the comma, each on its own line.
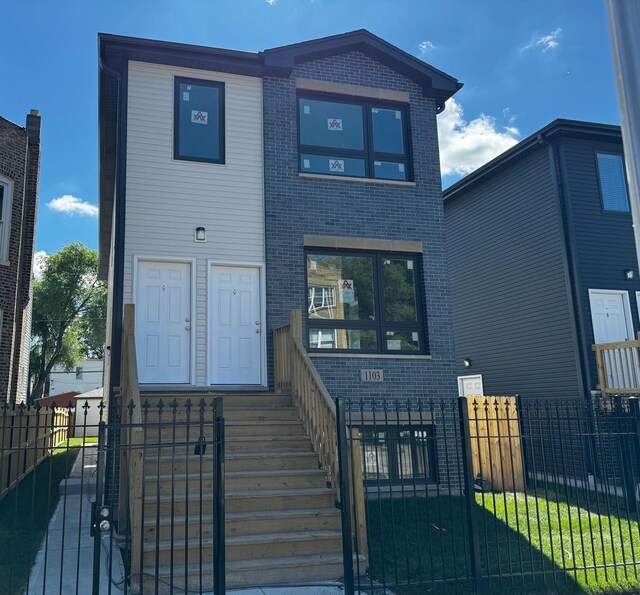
(626,304)
(5,231)
(461,380)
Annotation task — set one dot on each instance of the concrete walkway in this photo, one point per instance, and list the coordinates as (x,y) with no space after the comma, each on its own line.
(67,541)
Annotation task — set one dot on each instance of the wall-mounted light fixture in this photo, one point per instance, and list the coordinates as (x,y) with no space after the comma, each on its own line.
(629,274)
(201,234)
(467,363)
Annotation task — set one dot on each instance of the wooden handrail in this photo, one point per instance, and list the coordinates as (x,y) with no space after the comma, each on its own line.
(295,372)
(131,435)
(618,365)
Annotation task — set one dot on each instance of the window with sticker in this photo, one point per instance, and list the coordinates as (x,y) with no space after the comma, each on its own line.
(198,120)
(365,302)
(345,137)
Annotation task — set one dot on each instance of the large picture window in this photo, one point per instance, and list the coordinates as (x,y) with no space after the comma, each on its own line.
(364,302)
(198,120)
(353,138)
(613,185)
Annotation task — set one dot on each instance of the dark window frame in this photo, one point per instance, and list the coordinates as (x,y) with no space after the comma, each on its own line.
(392,447)
(603,207)
(177,81)
(367,154)
(379,325)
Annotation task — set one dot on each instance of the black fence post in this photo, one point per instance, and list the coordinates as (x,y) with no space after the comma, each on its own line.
(97,505)
(219,495)
(633,447)
(345,500)
(625,444)
(470,495)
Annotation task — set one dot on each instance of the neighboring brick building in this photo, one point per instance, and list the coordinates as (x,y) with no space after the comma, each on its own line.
(19,171)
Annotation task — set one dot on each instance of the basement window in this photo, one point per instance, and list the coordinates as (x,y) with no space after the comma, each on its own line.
(198,121)
(393,455)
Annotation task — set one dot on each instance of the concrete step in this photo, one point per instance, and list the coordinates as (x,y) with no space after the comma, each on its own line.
(239,501)
(177,483)
(243,523)
(250,573)
(244,547)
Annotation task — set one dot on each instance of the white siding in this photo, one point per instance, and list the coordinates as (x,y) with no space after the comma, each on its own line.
(64,382)
(167,199)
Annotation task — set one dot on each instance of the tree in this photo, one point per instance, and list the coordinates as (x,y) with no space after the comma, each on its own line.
(67,303)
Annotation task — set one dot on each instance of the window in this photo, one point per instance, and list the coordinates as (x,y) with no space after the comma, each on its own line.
(198,121)
(365,302)
(353,138)
(393,454)
(5,221)
(79,370)
(613,185)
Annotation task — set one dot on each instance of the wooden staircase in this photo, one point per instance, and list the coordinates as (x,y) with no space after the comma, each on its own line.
(282,525)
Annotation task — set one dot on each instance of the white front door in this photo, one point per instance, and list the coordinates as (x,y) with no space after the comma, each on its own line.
(470,386)
(611,316)
(163,322)
(236,325)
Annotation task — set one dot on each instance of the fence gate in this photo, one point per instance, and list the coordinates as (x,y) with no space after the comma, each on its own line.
(126,501)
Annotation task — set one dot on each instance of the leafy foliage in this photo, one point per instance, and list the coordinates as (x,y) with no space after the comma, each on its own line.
(69,305)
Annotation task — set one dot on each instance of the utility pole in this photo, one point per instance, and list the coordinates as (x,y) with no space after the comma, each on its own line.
(624,23)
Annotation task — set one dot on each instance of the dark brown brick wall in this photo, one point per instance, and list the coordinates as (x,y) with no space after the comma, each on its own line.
(20,164)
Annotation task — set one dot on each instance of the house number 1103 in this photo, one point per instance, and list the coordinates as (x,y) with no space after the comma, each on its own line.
(372,375)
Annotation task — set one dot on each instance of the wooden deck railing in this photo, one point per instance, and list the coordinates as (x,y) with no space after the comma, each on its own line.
(618,367)
(131,435)
(28,435)
(295,372)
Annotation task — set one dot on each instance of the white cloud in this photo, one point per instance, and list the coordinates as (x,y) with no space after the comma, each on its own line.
(465,146)
(73,206)
(270,2)
(39,263)
(545,42)
(426,45)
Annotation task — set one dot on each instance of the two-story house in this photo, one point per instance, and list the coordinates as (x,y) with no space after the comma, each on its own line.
(543,264)
(19,171)
(237,187)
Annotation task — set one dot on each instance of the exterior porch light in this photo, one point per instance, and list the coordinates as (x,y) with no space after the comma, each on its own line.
(467,363)
(201,234)
(629,274)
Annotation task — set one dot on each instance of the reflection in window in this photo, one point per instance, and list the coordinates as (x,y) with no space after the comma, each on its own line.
(613,185)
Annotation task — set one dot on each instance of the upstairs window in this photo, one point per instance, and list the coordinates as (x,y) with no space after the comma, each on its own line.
(198,133)
(363,139)
(364,302)
(79,371)
(613,185)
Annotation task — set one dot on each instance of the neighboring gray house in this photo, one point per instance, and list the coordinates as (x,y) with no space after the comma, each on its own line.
(542,262)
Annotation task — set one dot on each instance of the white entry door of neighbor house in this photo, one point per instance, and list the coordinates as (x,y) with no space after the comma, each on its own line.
(611,316)
(163,322)
(236,325)
(470,386)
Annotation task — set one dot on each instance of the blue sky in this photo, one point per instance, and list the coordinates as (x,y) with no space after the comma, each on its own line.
(523,64)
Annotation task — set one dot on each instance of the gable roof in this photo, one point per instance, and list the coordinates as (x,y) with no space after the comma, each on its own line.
(553,130)
(116,50)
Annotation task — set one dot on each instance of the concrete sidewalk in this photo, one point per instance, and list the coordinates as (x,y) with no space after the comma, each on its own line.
(64,563)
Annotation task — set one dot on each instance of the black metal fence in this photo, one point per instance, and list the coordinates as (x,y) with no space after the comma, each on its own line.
(151,521)
(493,494)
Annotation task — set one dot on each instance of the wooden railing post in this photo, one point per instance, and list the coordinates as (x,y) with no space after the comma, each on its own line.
(358,495)
(296,324)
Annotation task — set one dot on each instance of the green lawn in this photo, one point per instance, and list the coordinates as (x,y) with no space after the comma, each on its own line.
(25,514)
(429,542)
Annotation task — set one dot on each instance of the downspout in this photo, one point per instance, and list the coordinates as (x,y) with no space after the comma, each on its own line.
(118,247)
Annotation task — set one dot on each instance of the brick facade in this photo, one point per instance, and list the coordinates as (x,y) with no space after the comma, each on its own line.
(20,166)
(296,206)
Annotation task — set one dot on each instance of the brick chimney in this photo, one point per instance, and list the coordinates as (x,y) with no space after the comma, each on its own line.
(33,126)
